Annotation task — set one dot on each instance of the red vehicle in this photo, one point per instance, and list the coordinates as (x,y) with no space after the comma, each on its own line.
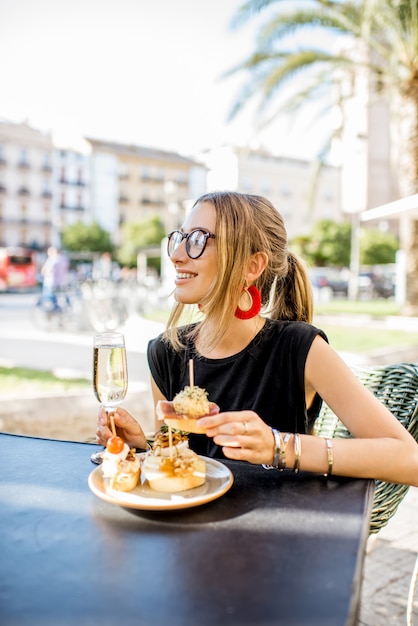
(18,268)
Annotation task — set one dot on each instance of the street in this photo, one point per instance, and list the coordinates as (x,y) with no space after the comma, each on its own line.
(64,353)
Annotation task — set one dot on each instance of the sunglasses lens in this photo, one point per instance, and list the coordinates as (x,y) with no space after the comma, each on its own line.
(196,243)
(174,241)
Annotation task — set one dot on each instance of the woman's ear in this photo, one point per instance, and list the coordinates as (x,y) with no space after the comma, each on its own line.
(257,265)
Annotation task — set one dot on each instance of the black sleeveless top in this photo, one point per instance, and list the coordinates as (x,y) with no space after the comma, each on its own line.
(266,377)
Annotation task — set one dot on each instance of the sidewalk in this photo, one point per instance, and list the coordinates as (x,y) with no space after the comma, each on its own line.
(388,568)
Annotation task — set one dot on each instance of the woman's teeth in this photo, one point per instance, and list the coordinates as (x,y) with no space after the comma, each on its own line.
(184,275)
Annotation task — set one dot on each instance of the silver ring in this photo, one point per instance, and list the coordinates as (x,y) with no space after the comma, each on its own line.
(245,428)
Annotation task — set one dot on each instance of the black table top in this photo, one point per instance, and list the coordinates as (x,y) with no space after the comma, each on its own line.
(277,548)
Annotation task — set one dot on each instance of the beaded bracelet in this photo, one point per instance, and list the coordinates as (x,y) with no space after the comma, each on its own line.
(298,450)
(328,443)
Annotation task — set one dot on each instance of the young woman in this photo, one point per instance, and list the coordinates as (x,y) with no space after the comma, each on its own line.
(267,372)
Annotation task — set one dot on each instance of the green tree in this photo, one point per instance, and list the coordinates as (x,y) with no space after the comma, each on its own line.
(137,236)
(386,31)
(328,244)
(81,237)
(378,248)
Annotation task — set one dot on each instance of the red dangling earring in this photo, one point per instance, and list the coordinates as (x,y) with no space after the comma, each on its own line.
(255,308)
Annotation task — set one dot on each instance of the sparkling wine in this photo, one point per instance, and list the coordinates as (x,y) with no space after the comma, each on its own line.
(110,377)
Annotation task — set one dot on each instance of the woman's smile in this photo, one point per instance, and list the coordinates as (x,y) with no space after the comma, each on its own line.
(184,276)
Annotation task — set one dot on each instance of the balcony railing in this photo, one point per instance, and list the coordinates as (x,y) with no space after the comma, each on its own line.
(67,207)
(152,179)
(66,181)
(24,221)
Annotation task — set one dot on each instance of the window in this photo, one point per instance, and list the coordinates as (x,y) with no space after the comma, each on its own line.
(46,189)
(23,158)
(46,164)
(123,170)
(80,206)
(145,173)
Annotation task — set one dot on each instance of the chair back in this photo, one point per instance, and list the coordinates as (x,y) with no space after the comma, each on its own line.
(396,386)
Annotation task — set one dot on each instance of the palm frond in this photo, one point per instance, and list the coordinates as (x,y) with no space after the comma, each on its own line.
(249,9)
(284,25)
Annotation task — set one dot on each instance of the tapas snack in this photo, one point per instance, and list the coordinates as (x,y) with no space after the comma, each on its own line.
(184,411)
(171,466)
(120,465)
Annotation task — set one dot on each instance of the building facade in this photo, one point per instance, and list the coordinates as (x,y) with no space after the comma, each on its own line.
(26,186)
(132,183)
(71,186)
(45,187)
(302,191)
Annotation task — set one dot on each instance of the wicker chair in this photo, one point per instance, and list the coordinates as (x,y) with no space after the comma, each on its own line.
(397,387)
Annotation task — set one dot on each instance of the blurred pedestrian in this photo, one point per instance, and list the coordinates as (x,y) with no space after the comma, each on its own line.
(55,273)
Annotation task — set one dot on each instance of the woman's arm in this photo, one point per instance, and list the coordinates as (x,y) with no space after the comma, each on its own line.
(381,448)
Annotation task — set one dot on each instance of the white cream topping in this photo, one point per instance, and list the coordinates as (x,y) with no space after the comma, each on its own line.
(111,460)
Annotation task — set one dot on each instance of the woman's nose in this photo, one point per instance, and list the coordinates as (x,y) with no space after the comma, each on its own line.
(179,253)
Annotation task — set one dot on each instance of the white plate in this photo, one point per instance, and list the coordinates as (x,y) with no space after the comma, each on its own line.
(219,479)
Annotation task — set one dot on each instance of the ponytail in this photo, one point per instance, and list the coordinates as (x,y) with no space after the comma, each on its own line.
(291,297)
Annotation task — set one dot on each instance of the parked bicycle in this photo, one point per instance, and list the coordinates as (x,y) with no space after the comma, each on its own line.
(100,305)
(108,303)
(106,309)
(62,310)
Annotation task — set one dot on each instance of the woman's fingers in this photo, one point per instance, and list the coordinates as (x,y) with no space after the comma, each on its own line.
(242,435)
(103,432)
(226,419)
(126,427)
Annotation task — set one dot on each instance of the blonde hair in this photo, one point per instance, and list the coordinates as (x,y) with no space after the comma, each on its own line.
(246,224)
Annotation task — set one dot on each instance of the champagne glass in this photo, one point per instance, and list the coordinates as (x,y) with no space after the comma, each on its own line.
(110,374)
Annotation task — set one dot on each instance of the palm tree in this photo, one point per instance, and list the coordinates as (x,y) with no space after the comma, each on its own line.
(383,36)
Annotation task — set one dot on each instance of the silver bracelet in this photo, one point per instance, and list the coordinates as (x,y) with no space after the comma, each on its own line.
(279,459)
(298,450)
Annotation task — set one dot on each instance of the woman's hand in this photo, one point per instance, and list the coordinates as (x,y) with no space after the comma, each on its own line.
(126,427)
(242,435)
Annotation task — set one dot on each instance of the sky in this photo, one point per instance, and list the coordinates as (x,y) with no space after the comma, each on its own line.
(144,72)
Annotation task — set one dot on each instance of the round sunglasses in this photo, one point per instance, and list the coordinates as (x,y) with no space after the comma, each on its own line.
(196,241)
